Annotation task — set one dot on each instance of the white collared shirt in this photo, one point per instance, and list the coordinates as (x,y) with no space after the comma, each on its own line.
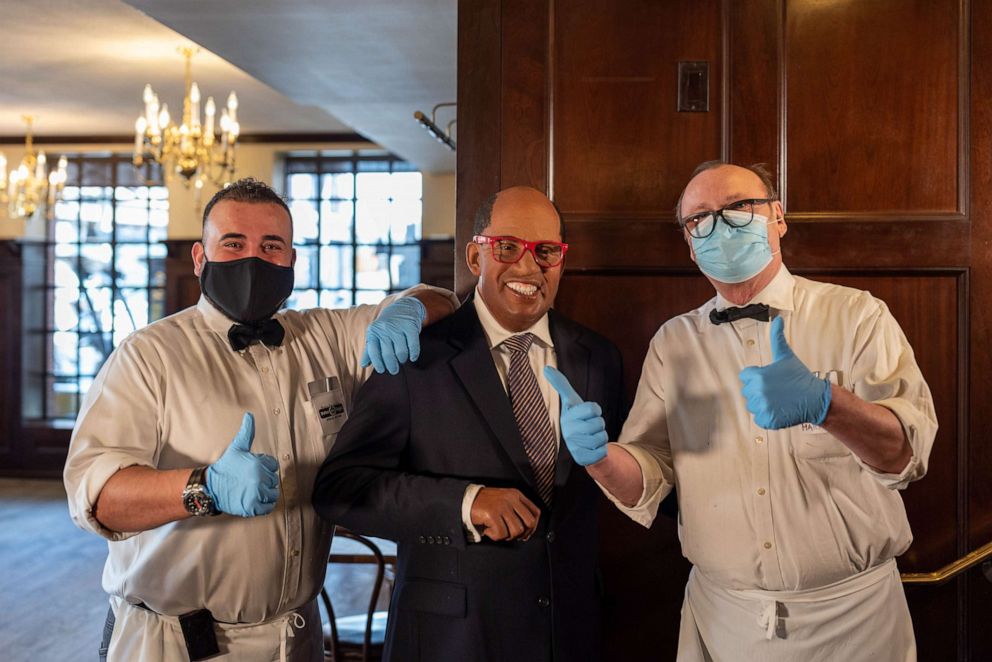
(776,509)
(541,353)
(172,395)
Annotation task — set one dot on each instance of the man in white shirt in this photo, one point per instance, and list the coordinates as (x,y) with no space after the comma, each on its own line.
(787,478)
(152,456)
(458,459)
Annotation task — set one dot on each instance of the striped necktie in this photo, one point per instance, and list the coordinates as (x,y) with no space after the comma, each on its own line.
(531,414)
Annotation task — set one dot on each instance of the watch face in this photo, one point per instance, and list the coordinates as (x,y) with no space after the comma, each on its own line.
(197,502)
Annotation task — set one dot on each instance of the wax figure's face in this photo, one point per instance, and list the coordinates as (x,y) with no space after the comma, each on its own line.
(719,187)
(236,230)
(518,294)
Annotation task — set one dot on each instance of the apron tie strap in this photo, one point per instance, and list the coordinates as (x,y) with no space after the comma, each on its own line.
(768,618)
(294,621)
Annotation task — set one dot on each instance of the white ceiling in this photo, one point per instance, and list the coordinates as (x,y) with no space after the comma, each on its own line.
(306,66)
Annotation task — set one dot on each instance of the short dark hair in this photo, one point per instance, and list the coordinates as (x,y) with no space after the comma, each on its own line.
(759,169)
(484,216)
(247,189)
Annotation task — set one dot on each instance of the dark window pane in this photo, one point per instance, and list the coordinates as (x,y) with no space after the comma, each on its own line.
(96,172)
(156,278)
(62,397)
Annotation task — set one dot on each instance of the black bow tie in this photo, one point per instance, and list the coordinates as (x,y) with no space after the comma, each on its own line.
(269,332)
(758,311)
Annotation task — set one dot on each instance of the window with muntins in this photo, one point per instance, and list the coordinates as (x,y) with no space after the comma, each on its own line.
(357,224)
(98,276)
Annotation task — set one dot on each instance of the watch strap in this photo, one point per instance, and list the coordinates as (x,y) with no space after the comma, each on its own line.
(196,498)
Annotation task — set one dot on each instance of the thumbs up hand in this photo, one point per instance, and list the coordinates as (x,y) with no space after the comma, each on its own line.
(582,424)
(784,392)
(241,482)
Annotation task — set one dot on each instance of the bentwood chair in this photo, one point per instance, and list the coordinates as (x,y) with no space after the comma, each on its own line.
(359,636)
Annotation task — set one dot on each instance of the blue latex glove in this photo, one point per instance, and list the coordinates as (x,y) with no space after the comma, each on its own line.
(582,424)
(394,337)
(784,392)
(243,483)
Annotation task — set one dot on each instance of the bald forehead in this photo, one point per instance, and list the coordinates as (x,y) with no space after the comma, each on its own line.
(719,186)
(522,197)
(525,212)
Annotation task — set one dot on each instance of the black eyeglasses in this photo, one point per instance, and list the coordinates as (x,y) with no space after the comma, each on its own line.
(509,250)
(701,225)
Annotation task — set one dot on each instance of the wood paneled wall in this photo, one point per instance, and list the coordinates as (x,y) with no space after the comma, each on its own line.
(871,115)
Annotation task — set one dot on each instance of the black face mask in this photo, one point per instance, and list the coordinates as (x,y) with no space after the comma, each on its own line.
(248,290)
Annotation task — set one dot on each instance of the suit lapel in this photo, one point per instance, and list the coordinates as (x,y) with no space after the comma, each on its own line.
(473,365)
(573,362)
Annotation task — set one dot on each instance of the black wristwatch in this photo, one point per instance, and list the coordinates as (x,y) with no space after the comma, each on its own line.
(195,497)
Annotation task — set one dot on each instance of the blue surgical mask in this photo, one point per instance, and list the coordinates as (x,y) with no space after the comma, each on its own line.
(734,255)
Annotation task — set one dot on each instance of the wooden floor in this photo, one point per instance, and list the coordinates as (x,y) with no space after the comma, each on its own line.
(51,604)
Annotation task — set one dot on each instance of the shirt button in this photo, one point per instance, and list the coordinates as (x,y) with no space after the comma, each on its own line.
(750,343)
(551,536)
(768,545)
(276,411)
(265,368)
(761,491)
(759,440)
(543,601)
(286,456)
(296,552)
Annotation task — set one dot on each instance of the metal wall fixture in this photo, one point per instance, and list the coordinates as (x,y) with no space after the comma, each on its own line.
(443,137)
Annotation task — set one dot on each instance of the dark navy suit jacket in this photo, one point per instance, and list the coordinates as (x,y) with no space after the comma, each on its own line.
(399,469)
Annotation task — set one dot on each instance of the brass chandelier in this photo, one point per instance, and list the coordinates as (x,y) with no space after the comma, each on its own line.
(192,149)
(30,184)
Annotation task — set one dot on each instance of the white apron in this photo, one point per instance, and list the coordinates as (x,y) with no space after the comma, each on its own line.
(144,636)
(864,617)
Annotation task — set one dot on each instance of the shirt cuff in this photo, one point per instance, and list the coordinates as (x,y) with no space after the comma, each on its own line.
(916,468)
(654,488)
(470,531)
(86,491)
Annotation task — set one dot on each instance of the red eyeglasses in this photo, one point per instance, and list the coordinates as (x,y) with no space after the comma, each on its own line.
(509,250)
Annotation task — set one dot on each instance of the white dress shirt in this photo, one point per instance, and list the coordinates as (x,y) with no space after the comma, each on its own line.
(540,354)
(784,509)
(172,395)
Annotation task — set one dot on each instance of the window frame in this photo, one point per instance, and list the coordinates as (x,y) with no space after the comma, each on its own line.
(330,163)
(40,374)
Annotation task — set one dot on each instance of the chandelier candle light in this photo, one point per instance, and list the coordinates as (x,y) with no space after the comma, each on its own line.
(191,149)
(30,184)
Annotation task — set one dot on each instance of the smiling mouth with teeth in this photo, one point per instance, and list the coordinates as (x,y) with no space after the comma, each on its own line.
(523,288)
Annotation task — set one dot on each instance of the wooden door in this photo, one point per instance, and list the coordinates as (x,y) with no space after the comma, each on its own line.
(874,117)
